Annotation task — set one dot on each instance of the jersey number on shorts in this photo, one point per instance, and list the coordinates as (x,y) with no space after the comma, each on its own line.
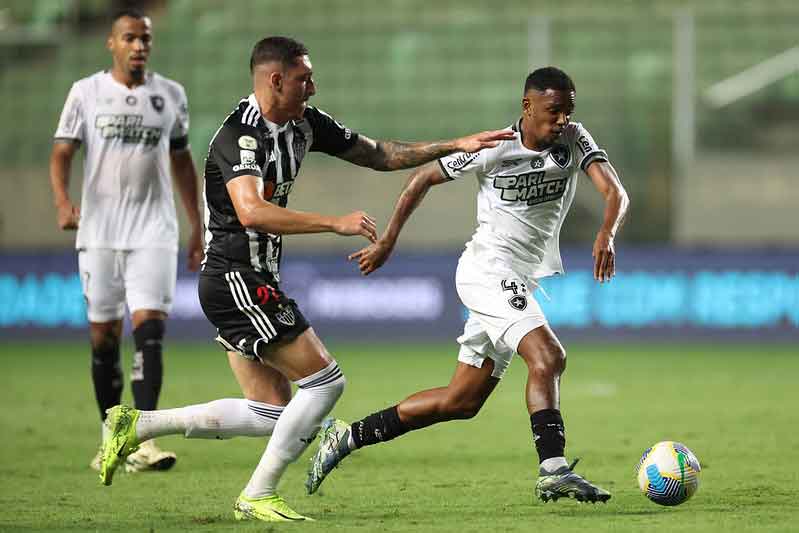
(266,293)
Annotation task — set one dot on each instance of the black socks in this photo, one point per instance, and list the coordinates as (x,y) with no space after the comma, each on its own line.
(147,373)
(378,427)
(548,433)
(107,376)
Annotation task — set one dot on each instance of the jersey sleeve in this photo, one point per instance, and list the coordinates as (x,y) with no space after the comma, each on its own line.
(459,164)
(72,124)
(586,149)
(329,136)
(238,151)
(179,135)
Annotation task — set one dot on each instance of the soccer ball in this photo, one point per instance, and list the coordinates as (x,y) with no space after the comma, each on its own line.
(668,473)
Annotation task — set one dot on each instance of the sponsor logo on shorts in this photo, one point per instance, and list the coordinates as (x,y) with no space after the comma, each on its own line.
(518,302)
(286,316)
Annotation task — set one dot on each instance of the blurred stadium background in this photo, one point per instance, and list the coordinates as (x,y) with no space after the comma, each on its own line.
(695,101)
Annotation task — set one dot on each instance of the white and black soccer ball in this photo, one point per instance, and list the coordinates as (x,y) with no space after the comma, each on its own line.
(668,473)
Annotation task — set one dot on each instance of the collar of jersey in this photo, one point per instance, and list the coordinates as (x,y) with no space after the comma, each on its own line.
(273,128)
(517,127)
(148,76)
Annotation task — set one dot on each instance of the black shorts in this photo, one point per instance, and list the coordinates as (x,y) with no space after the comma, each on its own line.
(249,310)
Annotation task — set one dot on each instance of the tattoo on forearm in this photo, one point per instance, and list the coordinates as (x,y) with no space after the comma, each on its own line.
(407,155)
(395,155)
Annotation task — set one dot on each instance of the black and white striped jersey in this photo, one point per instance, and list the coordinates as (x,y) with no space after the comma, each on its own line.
(249,144)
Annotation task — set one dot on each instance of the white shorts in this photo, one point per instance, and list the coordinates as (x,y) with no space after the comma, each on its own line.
(502,310)
(144,278)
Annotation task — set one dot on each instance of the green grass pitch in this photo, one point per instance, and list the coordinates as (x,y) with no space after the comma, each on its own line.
(736,407)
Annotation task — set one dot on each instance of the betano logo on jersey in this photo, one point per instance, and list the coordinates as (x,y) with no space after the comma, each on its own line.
(531,187)
(127,128)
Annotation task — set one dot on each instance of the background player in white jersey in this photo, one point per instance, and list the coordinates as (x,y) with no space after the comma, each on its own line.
(252,164)
(526,187)
(134,124)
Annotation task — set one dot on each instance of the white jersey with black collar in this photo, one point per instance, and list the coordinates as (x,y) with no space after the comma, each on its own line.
(127,200)
(523,199)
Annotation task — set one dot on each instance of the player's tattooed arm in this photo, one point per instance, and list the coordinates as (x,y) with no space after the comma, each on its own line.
(395,155)
(609,186)
(67,213)
(376,254)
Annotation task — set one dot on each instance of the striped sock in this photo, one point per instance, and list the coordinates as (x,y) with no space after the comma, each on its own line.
(296,428)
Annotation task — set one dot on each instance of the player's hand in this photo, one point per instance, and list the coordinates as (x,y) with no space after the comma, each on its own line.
(67,215)
(485,139)
(195,253)
(372,257)
(356,223)
(604,255)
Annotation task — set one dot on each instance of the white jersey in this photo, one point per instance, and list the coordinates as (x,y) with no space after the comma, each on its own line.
(523,199)
(127,199)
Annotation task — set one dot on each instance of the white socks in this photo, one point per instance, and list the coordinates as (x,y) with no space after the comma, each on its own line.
(219,419)
(552,464)
(296,428)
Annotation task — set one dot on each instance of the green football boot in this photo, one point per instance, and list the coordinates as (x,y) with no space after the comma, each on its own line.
(121,440)
(564,483)
(333,447)
(268,509)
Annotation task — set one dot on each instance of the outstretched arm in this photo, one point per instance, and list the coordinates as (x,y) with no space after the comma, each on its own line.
(395,155)
(186,179)
(373,256)
(256,213)
(609,186)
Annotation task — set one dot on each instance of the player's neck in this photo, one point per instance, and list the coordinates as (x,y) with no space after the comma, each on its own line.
(530,141)
(270,110)
(129,79)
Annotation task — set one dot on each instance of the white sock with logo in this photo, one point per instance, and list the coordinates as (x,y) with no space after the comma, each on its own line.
(219,419)
(297,427)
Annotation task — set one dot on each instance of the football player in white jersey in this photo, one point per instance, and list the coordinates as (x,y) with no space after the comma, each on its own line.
(526,186)
(134,124)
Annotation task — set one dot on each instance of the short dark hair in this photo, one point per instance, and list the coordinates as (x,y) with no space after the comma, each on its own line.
(548,78)
(131,12)
(283,49)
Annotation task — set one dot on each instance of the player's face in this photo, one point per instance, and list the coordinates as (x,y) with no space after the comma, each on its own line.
(297,87)
(130,42)
(546,114)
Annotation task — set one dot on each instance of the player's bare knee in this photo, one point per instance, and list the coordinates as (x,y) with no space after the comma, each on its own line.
(104,340)
(547,360)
